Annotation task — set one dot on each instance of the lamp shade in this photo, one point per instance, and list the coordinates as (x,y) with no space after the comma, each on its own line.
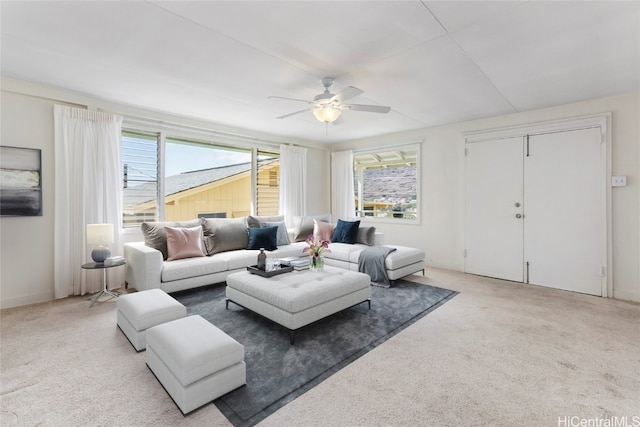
(99,234)
(327,114)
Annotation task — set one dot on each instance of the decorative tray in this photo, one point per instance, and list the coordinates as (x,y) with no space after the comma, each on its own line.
(253,269)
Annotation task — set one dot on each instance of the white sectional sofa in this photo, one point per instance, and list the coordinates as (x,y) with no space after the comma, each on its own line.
(147,267)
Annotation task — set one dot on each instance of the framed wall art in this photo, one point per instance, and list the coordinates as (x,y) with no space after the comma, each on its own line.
(20,181)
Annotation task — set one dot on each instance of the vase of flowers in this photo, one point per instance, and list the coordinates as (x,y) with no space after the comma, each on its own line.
(316,249)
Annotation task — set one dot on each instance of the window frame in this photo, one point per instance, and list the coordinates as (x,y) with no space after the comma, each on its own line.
(416,146)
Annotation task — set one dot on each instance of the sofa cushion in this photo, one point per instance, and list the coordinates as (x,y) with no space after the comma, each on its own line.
(263,237)
(155,236)
(303,226)
(225,234)
(192,267)
(344,251)
(403,256)
(183,242)
(260,221)
(293,250)
(239,259)
(346,232)
(366,235)
(322,230)
(283,234)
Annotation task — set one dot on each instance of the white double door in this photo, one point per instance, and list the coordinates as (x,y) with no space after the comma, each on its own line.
(535,210)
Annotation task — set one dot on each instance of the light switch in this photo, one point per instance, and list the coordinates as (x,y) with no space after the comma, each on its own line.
(619,181)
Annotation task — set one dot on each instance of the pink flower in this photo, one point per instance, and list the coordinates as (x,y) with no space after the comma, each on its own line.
(317,246)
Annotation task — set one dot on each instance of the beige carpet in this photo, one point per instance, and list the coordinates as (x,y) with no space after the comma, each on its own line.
(498,353)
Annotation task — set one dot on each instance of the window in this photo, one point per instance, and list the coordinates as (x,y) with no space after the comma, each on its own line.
(386,183)
(199,179)
(140,177)
(268,184)
(203,178)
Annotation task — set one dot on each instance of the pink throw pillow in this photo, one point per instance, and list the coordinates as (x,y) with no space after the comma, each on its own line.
(184,242)
(322,229)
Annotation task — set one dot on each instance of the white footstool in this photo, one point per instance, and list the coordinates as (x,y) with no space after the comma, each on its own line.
(194,361)
(139,311)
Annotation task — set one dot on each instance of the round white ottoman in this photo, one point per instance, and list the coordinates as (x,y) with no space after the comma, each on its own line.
(139,311)
(194,361)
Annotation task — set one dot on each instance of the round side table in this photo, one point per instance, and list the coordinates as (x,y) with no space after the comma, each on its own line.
(105,290)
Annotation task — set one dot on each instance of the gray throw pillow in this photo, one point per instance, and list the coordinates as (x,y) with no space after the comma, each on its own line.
(283,235)
(260,221)
(303,226)
(225,234)
(366,235)
(155,236)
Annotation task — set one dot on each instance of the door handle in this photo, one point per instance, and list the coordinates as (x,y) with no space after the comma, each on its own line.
(518,215)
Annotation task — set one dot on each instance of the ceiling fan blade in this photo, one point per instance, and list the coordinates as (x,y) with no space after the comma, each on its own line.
(346,93)
(291,99)
(293,114)
(368,108)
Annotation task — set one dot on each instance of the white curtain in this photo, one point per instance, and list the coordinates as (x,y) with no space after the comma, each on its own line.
(88,190)
(343,205)
(293,182)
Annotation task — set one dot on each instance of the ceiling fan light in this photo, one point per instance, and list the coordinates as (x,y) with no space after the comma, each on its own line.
(327,114)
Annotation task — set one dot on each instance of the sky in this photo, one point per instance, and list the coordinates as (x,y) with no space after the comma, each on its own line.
(182,158)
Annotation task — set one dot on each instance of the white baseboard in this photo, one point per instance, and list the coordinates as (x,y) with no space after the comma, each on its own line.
(626,295)
(25,300)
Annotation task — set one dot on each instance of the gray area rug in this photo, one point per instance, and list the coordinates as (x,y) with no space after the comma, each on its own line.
(278,372)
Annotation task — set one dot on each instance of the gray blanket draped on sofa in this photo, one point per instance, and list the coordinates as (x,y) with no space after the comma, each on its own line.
(371,262)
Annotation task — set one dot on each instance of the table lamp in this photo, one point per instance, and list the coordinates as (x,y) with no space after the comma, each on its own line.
(100,235)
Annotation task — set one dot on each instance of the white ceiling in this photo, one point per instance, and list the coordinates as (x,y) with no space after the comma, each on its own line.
(432,62)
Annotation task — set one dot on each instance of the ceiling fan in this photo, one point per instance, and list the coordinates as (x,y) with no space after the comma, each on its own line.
(327,107)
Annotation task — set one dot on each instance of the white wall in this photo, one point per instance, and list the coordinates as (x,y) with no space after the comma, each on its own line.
(26,243)
(26,251)
(440,232)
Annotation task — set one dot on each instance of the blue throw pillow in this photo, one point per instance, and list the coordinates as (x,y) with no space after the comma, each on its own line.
(345,232)
(265,237)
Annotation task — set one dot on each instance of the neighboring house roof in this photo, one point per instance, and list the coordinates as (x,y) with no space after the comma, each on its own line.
(139,194)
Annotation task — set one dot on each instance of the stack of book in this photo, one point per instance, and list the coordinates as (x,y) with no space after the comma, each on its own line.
(298,264)
(114,260)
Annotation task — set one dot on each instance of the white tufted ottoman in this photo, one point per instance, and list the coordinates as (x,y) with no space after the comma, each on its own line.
(139,311)
(299,298)
(195,361)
